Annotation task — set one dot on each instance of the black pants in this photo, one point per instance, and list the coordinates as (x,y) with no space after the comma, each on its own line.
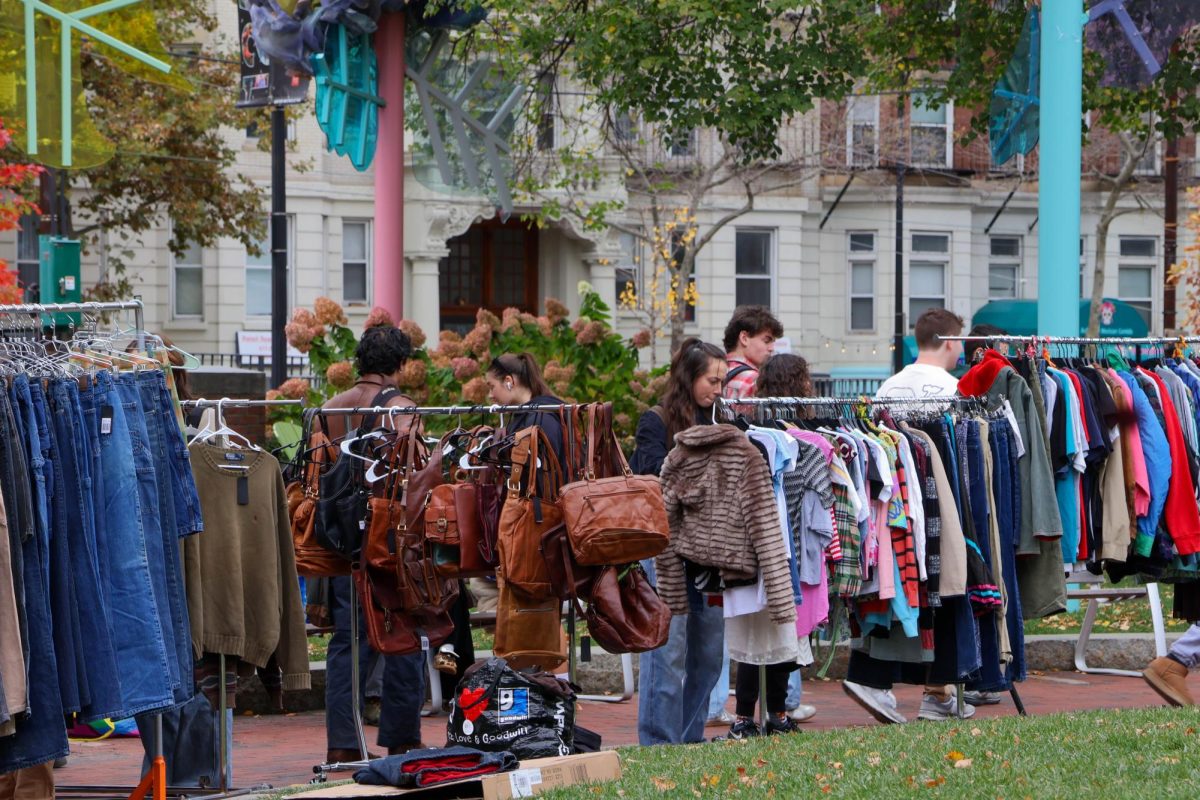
(746,687)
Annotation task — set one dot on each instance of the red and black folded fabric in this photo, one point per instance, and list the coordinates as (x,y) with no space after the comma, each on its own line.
(429,767)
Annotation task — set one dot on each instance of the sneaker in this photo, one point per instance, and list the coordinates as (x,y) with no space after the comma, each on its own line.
(802,713)
(740,729)
(936,710)
(879,703)
(722,719)
(1168,677)
(983,698)
(777,725)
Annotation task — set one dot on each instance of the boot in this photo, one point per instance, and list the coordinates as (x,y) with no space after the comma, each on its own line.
(1169,678)
(346,756)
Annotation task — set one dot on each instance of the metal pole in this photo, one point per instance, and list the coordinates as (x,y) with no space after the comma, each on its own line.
(279,246)
(355,677)
(901,159)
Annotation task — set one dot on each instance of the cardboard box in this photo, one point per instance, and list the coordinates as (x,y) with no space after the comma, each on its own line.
(530,778)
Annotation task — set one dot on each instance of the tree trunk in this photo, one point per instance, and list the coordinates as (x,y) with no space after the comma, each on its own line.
(1107,215)
(682,273)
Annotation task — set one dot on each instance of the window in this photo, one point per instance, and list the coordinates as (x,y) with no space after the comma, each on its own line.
(678,251)
(545,126)
(927,273)
(681,144)
(28,261)
(754,261)
(629,270)
(931,131)
(862,125)
(494,265)
(624,127)
(356,261)
(258,273)
(862,281)
(1149,164)
(187,272)
(1004,268)
(1135,274)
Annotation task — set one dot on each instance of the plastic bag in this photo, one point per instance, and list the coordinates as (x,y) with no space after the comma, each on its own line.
(497,708)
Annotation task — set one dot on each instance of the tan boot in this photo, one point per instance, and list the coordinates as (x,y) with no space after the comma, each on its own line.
(1169,678)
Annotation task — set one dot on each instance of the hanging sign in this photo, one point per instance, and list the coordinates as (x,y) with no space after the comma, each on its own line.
(264,83)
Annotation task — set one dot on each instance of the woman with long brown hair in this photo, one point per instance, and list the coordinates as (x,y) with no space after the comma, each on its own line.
(677,678)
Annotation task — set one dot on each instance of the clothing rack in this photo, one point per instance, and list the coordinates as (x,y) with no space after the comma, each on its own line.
(1113,340)
(882,402)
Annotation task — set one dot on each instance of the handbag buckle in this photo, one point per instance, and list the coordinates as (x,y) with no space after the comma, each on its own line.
(442,525)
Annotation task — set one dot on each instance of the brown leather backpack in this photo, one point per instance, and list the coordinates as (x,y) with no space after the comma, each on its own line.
(530,509)
(315,454)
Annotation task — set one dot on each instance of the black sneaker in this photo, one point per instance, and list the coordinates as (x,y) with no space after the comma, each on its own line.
(784,724)
(741,729)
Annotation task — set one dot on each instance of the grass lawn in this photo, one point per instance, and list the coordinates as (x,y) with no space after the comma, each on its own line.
(1111,754)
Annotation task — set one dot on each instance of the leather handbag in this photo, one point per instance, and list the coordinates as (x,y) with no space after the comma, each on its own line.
(568,579)
(625,613)
(530,509)
(528,632)
(618,519)
(303,491)
(481,556)
(390,630)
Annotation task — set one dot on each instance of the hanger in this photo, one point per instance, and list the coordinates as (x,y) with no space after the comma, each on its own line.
(219,428)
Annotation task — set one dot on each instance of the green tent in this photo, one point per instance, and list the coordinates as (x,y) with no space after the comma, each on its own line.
(1019,317)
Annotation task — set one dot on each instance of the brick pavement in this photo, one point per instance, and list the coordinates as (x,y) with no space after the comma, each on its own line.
(280,750)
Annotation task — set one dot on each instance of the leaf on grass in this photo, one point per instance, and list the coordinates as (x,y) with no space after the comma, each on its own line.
(935,782)
(662,784)
(976,732)
(874,760)
(760,762)
(962,763)
(954,755)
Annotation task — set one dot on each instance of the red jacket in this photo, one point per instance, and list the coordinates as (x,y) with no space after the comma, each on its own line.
(1181,517)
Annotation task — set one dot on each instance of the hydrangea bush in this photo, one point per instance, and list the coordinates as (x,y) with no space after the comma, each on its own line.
(582,360)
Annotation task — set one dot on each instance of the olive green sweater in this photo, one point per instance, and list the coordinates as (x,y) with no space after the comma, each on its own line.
(242,591)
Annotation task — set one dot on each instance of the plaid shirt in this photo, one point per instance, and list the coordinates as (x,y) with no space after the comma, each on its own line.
(742,384)
(846,577)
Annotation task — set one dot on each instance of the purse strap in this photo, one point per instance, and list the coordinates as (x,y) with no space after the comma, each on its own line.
(600,416)
(530,445)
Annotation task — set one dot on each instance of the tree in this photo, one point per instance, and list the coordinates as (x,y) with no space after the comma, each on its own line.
(174,158)
(958,51)
(677,102)
(16,180)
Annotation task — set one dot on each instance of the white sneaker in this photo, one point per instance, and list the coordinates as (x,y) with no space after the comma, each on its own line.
(936,710)
(803,713)
(879,703)
(724,718)
(983,698)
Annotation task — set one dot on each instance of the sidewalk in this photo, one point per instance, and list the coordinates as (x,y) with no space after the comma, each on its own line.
(281,750)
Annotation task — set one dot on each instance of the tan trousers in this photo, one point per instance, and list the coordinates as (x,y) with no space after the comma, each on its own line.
(31,783)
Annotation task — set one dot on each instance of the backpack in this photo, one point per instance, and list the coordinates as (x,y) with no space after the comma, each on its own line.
(738,370)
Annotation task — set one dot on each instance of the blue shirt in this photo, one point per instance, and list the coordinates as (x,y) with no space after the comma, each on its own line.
(1158,463)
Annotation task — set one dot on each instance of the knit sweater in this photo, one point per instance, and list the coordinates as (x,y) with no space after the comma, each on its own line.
(242,591)
(723,513)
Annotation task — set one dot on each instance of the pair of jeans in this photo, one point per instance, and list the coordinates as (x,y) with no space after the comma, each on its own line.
(1007,492)
(160,428)
(403,690)
(128,549)
(96,657)
(158,543)
(720,692)
(185,499)
(1186,649)
(677,679)
(17,493)
(191,743)
(41,735)
(971,442)
(795,693)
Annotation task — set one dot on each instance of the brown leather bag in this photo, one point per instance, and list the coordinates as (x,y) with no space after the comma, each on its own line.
(568,579)
(390,630)
(613,520)
(529,511)
(395,554)
(312,560)
(528,632)
(625,614)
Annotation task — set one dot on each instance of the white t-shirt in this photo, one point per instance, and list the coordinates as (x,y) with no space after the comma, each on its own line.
(919,380)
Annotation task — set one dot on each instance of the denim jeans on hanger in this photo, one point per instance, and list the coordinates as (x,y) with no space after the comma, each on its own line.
(36,453)
(191,743)
(676,680)
(971,444)
(129,549)
(1007,489)
(159,427)
(403,691)
(148,503)
(14,462)
(96,652)
(185,498)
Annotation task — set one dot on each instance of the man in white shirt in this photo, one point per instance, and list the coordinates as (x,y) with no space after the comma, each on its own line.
(929,375)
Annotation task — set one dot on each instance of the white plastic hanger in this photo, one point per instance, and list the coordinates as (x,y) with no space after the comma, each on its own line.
(219,428)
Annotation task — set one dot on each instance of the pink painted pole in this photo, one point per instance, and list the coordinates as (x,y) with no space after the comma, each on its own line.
(389,167)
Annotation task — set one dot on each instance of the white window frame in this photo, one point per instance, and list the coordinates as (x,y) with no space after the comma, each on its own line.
(175,267)
(855,100)
(948,109)
(772,263)
(1017,263)
(368,263)
(1146,263)
(630,269)
(861,258)
(930,258)
(291,267)
(546,131)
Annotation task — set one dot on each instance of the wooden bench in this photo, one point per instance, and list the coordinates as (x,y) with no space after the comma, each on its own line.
(1083,585)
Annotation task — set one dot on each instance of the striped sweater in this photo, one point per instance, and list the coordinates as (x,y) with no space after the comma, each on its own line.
(722,511)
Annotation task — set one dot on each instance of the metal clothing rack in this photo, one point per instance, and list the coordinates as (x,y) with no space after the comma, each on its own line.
(882,402)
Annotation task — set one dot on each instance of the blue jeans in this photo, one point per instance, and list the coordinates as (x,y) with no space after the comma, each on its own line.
(160,427)
(185,500)
(795,691)
(103,698)
(130,548)
(677,679)
(191,743)
(403,691)
(720,692)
